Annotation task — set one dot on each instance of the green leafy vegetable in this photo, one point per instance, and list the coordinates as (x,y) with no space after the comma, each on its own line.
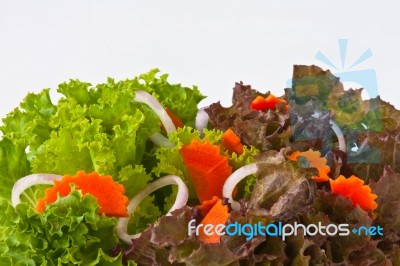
(13,165)
(281,191)
(100,128)
(69,231)
(95,128)
(91,128)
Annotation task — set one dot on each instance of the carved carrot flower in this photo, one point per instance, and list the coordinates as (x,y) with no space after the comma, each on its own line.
(207,168)
(110,195)
(354,189)
(315,160)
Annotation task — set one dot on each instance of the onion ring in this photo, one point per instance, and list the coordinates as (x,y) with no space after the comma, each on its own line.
(149,100)
(234,179)
(31,180)
(202,120)
(180,201)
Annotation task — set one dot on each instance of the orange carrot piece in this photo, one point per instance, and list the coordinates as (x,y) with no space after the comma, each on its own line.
(175,119)
(207,205)
(270,102)
(207,168)
(354,189)
(218,214)
(232,142)
(110,195)
(315,159)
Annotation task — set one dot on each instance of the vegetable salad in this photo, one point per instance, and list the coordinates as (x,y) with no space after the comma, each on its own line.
(113,174)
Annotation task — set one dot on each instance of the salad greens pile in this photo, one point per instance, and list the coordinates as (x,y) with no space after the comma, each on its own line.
(92,129)
(322,155)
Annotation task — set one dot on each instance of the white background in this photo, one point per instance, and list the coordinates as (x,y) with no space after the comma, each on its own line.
(211,44)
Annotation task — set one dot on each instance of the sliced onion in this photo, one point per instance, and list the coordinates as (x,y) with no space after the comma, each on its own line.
(234,179)
(159,140)
(202,120)
(31,180)
(180,201)
(339,134)
(146,98)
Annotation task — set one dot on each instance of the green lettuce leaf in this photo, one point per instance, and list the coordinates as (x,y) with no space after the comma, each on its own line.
(182,101)
(13,165)
(95,128)
(69,231)
(30,124)
(92,128)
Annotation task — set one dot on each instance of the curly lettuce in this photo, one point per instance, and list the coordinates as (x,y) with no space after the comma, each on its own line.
(69,231)
(92,128)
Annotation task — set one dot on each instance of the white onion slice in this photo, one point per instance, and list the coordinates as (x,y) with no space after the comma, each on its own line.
(146,98)
(180,201)
(339,134)
(234,179)
(202,120)
(31,180)
(159,140)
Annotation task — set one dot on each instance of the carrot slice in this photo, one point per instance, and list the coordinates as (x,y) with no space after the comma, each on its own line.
(354,189)
(218,214)
(207,205)
(270,102)
(110,195)
(232,142)
(207,168)
(175,119)
(315,159)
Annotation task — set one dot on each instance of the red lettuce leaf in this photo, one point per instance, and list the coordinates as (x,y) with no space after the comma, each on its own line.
(262,129)
(282,190)
(388,211)
(341,210)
